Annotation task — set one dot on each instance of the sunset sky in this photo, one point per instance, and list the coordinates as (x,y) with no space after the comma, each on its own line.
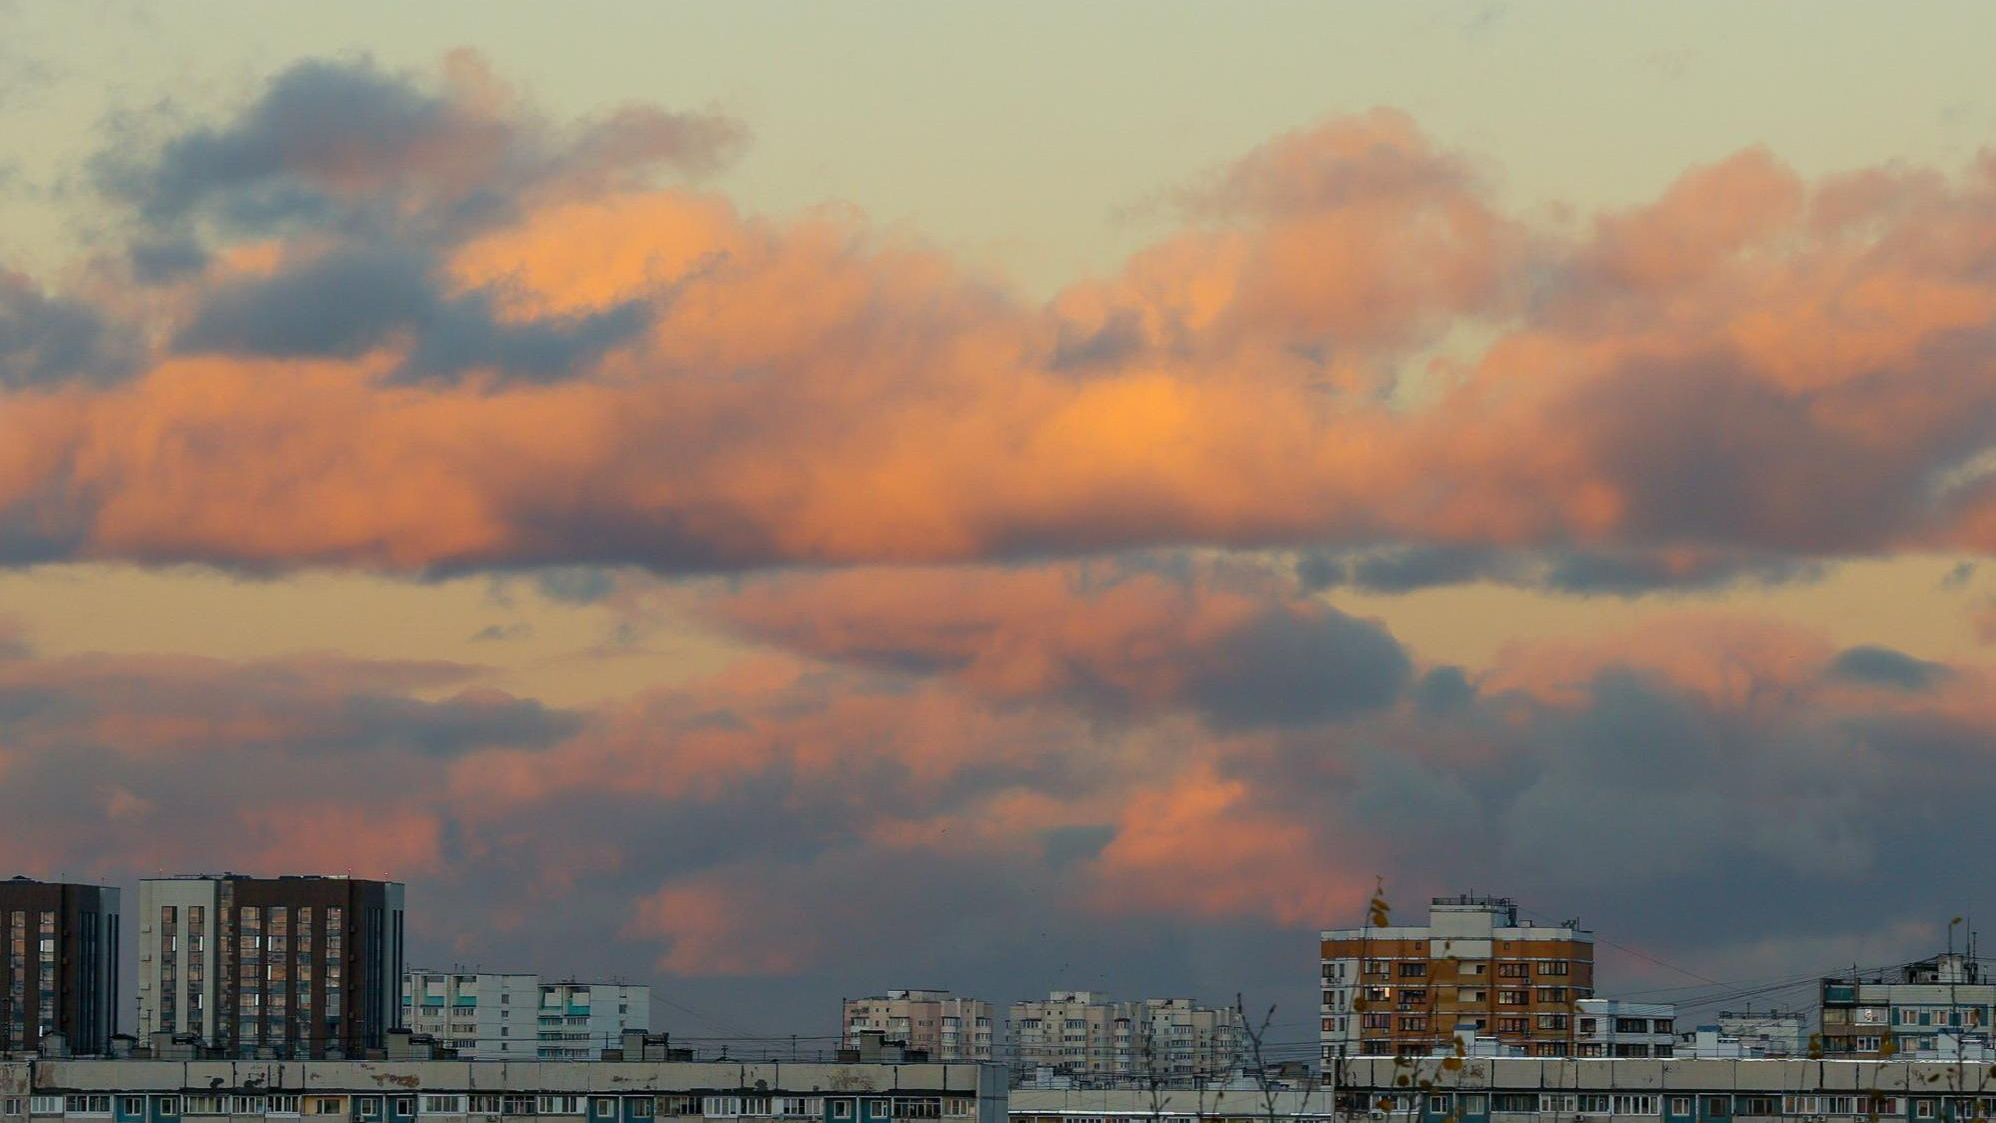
(781,501)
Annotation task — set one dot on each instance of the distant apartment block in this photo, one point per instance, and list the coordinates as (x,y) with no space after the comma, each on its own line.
(287,967)
(482,1015)
(1609,1027)
(945,1026)
(1408,989)
(1747,1035)
(576,1021)
(1769,1034)
(1925,1007)
(1078,1033)
(60,973)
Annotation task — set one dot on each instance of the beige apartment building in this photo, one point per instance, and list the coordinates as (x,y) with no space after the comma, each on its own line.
(1081,1034)
(948,1028)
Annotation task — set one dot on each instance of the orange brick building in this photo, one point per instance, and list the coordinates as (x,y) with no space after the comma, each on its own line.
(1473,967)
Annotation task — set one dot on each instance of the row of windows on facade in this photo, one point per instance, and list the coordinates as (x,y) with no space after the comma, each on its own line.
(1719,1106)
(1418,968)
(1412,997)
(451,1104)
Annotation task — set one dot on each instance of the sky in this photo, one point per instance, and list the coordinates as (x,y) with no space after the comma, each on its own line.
(784,501)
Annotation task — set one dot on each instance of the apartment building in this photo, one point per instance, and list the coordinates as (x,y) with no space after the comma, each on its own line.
(1182,1040)
(456,1091)
(1773,1033)
(1084,1035)
(59,974)
(947,1027)
(1931,1006)
(1609,1027)
(1552,1090)
(1408,989)
(294,966)
(482,1015)
(576,1021)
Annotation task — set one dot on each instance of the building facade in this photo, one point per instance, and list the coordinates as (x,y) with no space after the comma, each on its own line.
(433,1091)
(290,966)
(1084,1036)
(1407,990)
(1559,1090)
(482,1015)
(60,971)
(577,1021)
(945,1026)
(1931,1006)
(1774,1033)
(1609,1027)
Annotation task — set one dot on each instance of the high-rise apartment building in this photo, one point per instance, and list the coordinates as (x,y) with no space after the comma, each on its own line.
(947,1027)
(59,974)
(577,1021)
(482,1015)
(1080,1034)
(1408,989)
(1923,1007)
(282,966)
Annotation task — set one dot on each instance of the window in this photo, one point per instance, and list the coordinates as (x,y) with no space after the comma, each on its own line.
(404,1105)
(443,1105)
(841,1109)
(569,1105)
(1438,1105)
(1635,1105)
(1552,1021)
(1512,1025)
(1553,967)
(1514,997)
(1415,1023)
(1413,970)
(1473,1103)
(485,1105)
(1377,1021)
(203,1105)
(10,1107)
(132,1105)
(282,1105)
(1631,1025)
(1558,1103)
(603,1108)
(42,1105)
(517,1105)
(326,1105)
(1593,1104)
(877,1108)
(1923,1109)
(368,1107)
(1512,970)
(1718,1107)
(640,1108)
(87,1105)
(1515,1102)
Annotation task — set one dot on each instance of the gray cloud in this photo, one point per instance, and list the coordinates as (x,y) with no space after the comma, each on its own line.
(46,340)
(1882,666)
(357,299)
(349,145)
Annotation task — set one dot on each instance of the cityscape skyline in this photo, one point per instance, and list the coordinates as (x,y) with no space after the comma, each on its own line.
(783,503)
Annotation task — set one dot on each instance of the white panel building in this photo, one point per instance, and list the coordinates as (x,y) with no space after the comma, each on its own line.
(577,1021)
(483,1015)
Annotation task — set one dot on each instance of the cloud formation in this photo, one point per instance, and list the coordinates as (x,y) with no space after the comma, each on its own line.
(1753,376)
(1025,792)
